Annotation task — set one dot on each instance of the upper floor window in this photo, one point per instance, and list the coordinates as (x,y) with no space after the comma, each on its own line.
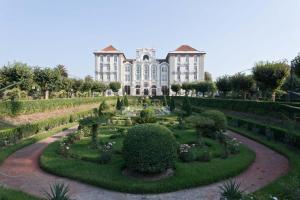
(127,68)
(115,77)
(115,66)
(195,59)
(153,69)
(178,59)
(145,57)
(186,76)
(187,59)
(127,77)
(146,72)
(164,69)
(115,58)
(164,77)
(108,58)
(101,58)
(138,72)
(195,76)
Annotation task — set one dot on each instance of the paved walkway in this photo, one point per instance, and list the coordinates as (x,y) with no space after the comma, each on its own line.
(21,171)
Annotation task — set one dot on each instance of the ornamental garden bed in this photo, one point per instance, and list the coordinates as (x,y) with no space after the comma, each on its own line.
(102,158)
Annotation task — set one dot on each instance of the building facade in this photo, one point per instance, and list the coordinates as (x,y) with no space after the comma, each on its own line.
(146,75)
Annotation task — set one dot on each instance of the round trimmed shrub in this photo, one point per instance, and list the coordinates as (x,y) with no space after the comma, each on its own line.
(149,148)
(147,116)
(218,117)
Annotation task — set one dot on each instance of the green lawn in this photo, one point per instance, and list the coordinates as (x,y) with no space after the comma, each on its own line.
(5,125)
(87,169)
(9,194)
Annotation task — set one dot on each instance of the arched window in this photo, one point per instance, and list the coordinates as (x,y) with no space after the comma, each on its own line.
(145,57)
(138,72)
(165,90)
(153,72)
(146,72)
(164,68)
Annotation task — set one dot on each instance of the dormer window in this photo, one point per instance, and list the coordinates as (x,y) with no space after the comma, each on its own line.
(146,57)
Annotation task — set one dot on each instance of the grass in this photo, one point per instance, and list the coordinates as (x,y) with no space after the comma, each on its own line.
(8,150)
(9,194)
(5,125)
(110,176)
(276,187)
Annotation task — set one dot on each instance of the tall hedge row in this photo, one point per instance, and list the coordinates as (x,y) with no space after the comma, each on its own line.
(13,135)
(277,110)
(14,108)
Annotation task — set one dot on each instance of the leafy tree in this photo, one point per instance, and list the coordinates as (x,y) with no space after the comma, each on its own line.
(187,87)
(186,106)
(119,104)
(126,103)
(175,88)
(207,76)
(17,72)
(296,63)
(67,85)
(103,107)
(270,76)
(224,85)
(172,104)
(77,86)
(62,70)
(99,87)
(115,86)
(87,85)
(47,78)
(242,83)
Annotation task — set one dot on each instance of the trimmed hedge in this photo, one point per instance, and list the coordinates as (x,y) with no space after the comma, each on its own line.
(149,148)
(14,108)
(13,135)
(271,132)
(276,109)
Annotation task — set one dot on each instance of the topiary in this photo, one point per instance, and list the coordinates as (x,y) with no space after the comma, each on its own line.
(147,116)
(149,148)
(218,117)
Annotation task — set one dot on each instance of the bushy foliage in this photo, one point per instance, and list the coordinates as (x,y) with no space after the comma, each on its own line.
(218,117)
(186,106)
(172,104)
(147,116)
(149,148)
(176,88)
(242,84)
(125,100)
(102,108)
(58,191)
(231,190)
(223,84)
(115,86)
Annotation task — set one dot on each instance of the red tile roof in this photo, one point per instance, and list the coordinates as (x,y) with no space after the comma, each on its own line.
(109,48)
(185,48)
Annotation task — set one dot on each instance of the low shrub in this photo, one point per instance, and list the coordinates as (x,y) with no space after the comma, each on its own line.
(147,116)
(205,156)
(186,153)
(218,117)
(149,148)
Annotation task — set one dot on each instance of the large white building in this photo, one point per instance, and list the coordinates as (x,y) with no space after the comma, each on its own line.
(147,75)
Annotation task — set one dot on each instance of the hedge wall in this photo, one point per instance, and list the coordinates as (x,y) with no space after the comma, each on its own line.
(13,135)
(276,109)
(13,108)
(271,132)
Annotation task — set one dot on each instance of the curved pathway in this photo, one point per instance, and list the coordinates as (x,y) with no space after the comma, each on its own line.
(21,171)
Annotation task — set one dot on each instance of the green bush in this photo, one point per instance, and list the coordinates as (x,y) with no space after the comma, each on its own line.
(218,117)
(147,116)
(149,148)
(186,106)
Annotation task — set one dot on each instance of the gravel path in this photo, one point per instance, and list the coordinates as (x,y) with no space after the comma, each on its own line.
(21,171)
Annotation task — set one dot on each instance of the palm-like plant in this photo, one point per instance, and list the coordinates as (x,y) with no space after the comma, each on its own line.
(58,191)
(230,190)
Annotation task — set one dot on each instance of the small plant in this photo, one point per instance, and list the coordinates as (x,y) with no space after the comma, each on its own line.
(105,156)
(205,156)
(58,191)
(186,153)
(233,146)
(231,190)
(64,148)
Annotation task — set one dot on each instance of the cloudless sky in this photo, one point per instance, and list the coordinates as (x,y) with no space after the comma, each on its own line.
(234,33)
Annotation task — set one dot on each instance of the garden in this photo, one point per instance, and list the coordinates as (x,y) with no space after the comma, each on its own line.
(149,152)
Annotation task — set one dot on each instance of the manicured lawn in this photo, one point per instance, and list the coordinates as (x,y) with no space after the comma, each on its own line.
(7,151)
(9,194)
(276,188)
(187,175)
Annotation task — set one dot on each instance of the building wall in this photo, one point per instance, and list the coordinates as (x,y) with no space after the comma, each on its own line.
(153,75)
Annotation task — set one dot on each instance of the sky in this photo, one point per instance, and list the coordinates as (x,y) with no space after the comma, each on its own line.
(235,34)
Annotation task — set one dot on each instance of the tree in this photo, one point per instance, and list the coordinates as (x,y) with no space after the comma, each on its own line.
(87,85)
(172,104)
(103,107)
(175,88)
(115,86)
(62,70)
(187,87)
(242,83)
(119,104)
(99,87)
(296,63)
(207,76)
(126,103)
(47,78)
(270,76)
(17,73)
(223,84)
(186,106)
